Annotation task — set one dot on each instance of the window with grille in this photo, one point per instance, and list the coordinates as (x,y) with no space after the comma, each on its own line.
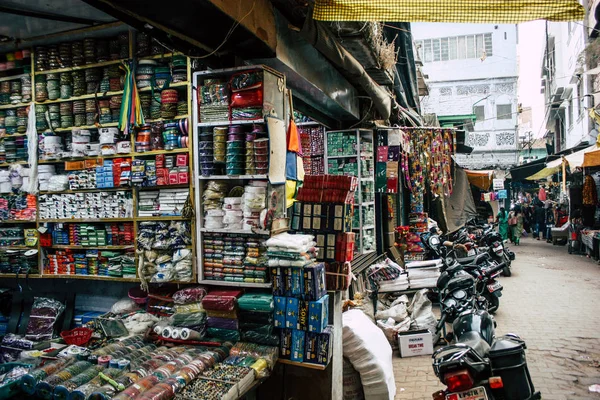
(455,48)
(503,111)
(479,112)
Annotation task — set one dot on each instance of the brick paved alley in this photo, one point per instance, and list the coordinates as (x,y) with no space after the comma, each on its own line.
(551,301)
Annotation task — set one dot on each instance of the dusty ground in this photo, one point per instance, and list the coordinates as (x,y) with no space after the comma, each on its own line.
(552,300)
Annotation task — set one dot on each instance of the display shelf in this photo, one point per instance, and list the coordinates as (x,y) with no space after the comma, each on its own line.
(7,275)
(227,122)
(155,152)
(159,56)
(338,157)
(105,125)
(12,163)
(236,231)
(10,106)
(13,77)
(171,86)
(13,135)
(303,364)
(89,277)
(18,247)
(235,284)
(150,120)
(17,221)
(182,186)
(162,218)
(80,67)
(74,247)
(65,221)
(83,97)
(232,177)
(128,188)
(309,123)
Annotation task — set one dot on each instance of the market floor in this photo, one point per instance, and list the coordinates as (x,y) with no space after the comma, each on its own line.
(552,301)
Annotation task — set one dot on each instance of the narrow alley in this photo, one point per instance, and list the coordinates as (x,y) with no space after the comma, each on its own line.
(551,301)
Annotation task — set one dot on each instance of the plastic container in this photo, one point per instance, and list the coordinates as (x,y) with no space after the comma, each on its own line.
(507,355)
(77,336)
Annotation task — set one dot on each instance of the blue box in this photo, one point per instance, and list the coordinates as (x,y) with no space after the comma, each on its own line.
(302,324)
(278,278)
(325,346)
(280,313)
(318,314)
(296,281)
(285,343)
(297,345)
(291,312)
(314,281)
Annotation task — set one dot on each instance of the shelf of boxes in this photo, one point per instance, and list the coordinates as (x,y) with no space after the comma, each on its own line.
(360,142)
(13,77)
(274,97)
(134,219)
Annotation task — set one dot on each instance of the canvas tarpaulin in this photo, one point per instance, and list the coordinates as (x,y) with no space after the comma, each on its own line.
(460,206)
(480,179)
(457,11)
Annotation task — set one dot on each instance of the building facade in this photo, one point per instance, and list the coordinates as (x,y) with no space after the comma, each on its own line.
(570,83)
(473,72)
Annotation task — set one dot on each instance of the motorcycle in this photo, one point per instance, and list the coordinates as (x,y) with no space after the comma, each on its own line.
(478,366)
(491,241)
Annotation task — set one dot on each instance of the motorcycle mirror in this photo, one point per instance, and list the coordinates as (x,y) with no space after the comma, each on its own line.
(434,241)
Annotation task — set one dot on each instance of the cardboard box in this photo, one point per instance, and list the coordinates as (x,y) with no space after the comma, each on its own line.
(318,314)
(285,345)
(280,312)
(314,281)
(278,278)
(291,312)
(302,324)
(311,347)
(296,281)
(298,338)
(325,346)
(415,343)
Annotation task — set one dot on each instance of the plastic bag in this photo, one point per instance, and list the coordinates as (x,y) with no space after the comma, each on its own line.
(421,312)
(224,300)
(397,312)
(124,306)
(367,349)
(44,314)
(391,328)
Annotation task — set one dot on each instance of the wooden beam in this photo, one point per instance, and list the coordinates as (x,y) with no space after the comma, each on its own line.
(257,16)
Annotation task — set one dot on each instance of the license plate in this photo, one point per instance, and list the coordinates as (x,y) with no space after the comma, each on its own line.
(471,252)
(494,286)
(477,393)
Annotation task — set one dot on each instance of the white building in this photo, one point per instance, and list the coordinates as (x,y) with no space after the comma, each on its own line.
(567,85)
(473,73)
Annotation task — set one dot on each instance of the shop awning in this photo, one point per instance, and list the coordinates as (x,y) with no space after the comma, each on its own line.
(457,11)
(592,158)
(576,159)
(480,179)
(551,168)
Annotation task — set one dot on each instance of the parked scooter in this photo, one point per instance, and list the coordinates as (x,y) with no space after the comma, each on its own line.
(478,366)
(491,241)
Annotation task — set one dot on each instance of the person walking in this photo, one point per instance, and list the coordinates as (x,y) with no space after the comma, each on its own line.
(502,220)
(539,218)
(518,229)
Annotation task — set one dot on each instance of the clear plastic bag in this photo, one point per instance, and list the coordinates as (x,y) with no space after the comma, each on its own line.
(44,314)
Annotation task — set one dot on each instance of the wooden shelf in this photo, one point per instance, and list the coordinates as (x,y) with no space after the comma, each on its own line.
(89,277)
(235,284)
(82,97)
(182,186)
(232,177)
(226,122)
(13,77)
(309,123)
(74,247)
(18,247)
(159,56)
(17,221)
(64,221)
(11,106)
(303,364)
(149,120)
(6,136)
(237,231)
(163,218)
(125,189)
(79,68)
(21,276)
(14,162)
(105,125)
(155,152)
(171,86)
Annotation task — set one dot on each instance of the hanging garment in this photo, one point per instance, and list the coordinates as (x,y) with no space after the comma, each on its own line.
(590,195)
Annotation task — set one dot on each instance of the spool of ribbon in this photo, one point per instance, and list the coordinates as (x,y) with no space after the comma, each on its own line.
(188,334)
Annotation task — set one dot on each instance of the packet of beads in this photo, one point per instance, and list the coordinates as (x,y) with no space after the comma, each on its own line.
(268,353)
(241,377)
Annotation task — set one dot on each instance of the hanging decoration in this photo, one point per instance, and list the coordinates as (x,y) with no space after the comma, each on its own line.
(131,107)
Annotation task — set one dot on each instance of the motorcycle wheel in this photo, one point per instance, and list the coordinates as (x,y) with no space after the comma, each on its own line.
(493,302)
(506,271)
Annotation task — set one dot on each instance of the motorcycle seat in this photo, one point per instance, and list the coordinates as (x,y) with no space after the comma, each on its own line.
(476,259)
(475,341)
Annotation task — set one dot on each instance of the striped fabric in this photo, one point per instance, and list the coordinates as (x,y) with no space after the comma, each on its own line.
(458,11)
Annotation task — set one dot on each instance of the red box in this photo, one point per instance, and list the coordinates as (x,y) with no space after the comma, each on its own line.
(173,178)
(183,178)
(344,246)
(160,161)
(182,160)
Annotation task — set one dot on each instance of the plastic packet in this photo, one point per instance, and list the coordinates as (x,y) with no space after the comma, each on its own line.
(43,316)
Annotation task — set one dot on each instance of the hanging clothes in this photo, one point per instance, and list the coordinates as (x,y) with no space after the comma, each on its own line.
(542,194)
(590,195)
